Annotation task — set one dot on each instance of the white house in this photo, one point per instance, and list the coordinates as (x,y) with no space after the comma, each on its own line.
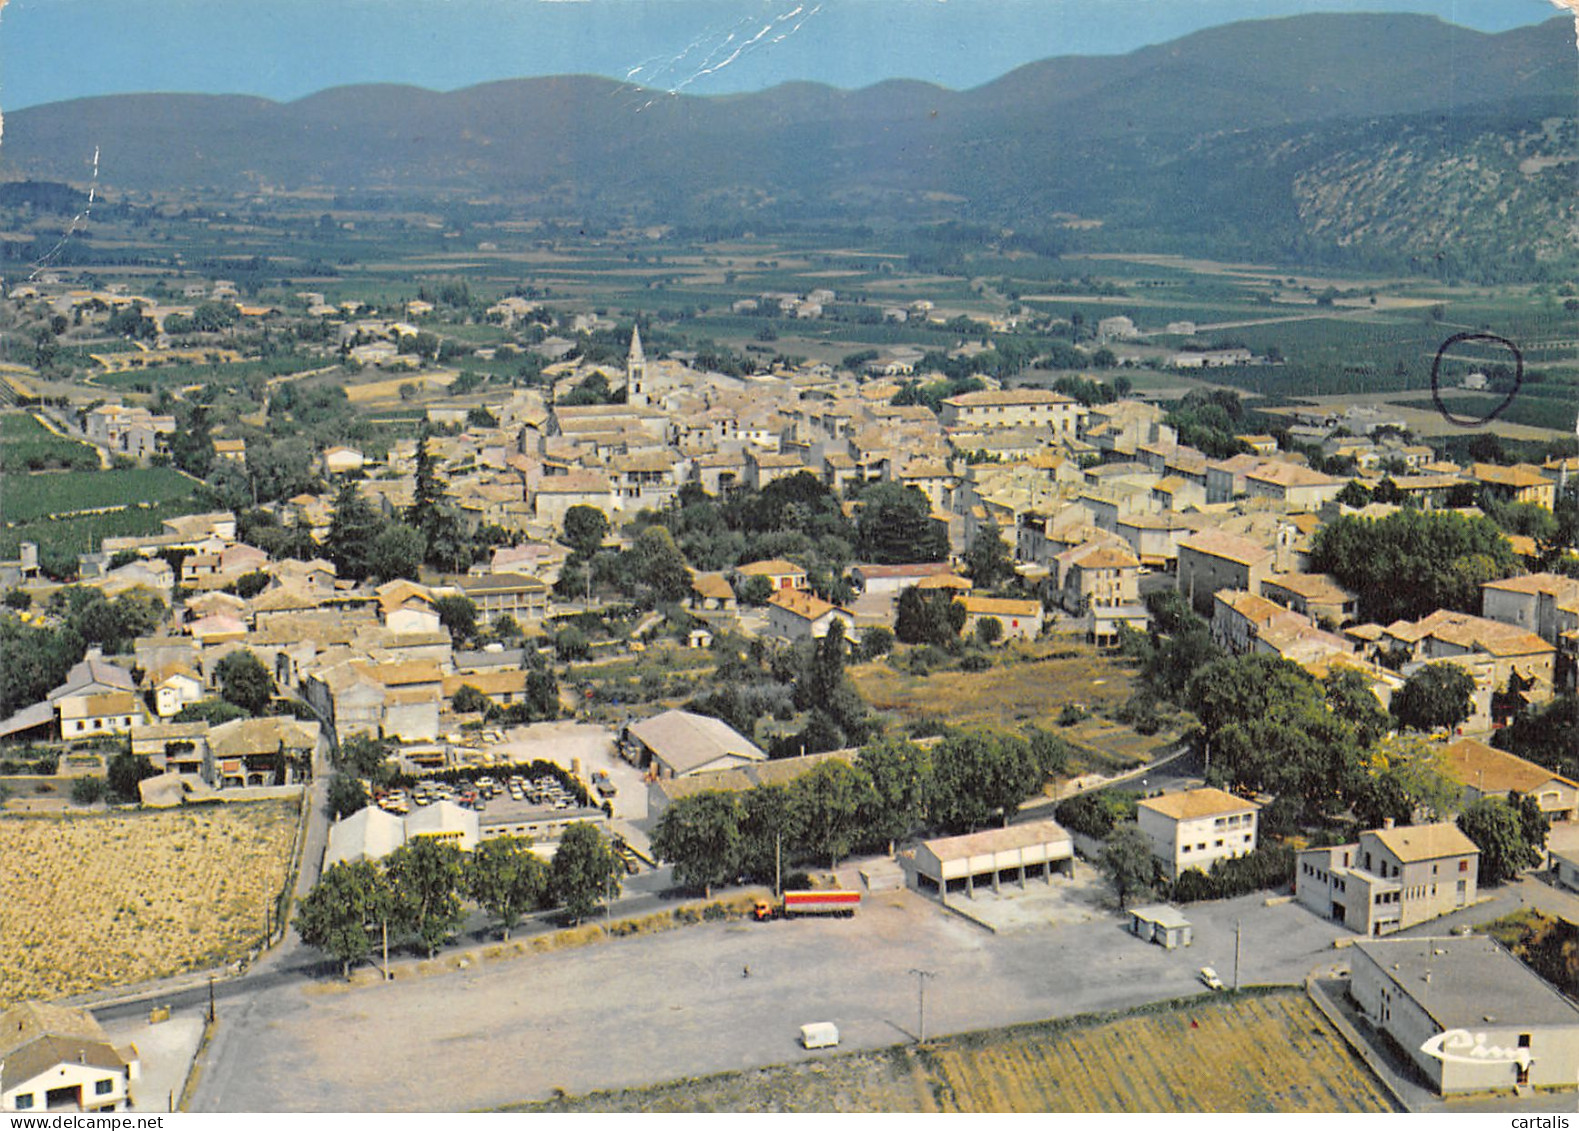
(1197,828)
(57,1059)
(795,615)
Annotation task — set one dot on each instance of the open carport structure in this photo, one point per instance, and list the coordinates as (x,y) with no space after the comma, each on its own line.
(993,857)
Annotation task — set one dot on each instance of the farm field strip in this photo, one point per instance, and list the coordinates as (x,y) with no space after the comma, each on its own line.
(112,899)
(1264,1052)
(44,493)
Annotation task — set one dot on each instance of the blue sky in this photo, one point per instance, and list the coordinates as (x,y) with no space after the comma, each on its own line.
(283,49)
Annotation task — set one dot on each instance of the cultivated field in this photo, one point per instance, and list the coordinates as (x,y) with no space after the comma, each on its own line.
(1260,1053)
(27,445)
(45,493)
(102,900)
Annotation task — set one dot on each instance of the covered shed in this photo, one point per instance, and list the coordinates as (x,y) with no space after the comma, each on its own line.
(988,858)
(677,743)
(368,834)
(1162,924)
(445,820)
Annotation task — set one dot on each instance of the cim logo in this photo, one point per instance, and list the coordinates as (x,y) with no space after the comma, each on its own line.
(1463,1047)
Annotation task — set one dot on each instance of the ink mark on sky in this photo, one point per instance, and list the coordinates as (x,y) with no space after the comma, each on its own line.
(71,229)
(723,46)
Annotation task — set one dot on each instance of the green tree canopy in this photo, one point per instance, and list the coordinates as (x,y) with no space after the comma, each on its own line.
(353,528)
(828,802)
(900,774)
(987,561)
(346,796)
(1547,735)
(1408,779)
(1498,829)
(338,915)
(770,831)
(585,529)
(1348,692)
(928,616)
(1412,563)
(700,836)
(895,526)
(980,776)
(506,878)
(398,551)
(584,871)
(458,615)
(1438,695)
(1127,863)
(1268,727)
(244,681)
(125,772)
(426,875)
(658,565)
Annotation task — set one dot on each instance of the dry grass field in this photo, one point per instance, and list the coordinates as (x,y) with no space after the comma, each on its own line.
(91,901)
(1259,1053)
(1010,695)
(1272,1053)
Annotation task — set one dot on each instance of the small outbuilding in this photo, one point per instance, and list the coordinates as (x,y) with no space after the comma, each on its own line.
(992,856)
(1162,924)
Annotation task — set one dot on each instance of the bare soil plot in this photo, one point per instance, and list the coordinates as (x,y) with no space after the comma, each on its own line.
(102,900)
(1262,1052)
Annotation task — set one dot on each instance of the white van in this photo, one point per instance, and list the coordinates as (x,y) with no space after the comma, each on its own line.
(819,1035)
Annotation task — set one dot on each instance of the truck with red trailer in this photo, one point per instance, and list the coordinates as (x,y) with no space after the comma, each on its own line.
(826,902)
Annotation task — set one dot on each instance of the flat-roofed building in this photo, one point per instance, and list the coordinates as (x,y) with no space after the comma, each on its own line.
(1498,1023)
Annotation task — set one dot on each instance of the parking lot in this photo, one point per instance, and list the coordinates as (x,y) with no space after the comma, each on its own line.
(569,744)
(645,1009)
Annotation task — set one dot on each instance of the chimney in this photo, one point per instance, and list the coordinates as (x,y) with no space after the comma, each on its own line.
(1387,823)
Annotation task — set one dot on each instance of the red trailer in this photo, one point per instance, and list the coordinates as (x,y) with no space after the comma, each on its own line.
(841,903)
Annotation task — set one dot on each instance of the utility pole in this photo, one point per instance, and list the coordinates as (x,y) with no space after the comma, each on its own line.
(1238,930)
(211,999)
(778,865)
(921,995)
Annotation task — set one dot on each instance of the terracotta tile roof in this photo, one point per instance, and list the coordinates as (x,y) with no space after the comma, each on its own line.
(1195,803)
(1490,770)
(1426,842)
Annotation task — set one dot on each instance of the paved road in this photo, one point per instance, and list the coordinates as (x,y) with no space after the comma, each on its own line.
(642,1010)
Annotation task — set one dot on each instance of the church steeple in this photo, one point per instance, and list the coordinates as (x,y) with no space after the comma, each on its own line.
(636,370)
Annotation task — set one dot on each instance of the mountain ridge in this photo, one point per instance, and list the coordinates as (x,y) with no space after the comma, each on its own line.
(1110,136)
